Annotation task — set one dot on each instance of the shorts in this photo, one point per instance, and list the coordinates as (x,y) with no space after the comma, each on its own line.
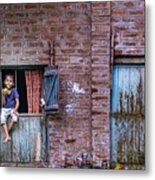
(5,114)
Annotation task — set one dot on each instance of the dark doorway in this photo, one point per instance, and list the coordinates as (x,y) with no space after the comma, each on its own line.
(21,86)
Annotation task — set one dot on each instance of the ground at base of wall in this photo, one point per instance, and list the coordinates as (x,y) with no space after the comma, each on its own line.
(46,165)
(25,165)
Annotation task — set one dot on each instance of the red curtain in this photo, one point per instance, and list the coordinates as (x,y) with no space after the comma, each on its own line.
(34,80)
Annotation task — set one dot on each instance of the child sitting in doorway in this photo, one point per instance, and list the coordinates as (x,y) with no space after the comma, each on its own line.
(10,105)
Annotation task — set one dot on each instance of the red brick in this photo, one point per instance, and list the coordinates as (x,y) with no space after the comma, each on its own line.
(7,52)
(29,21)
(136,12)
(48,5)
(118,12)
(18,44)
(101,12)
(101,19)
(129,4)
(30,6)
(101,5)
(12,22)
(37,14)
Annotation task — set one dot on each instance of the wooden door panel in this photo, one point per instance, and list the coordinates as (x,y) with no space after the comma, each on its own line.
(28,144)
(127,118)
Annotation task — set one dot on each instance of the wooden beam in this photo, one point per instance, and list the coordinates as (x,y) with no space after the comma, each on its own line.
(23,67)
(129,60)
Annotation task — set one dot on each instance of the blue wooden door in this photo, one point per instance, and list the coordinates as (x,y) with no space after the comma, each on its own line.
(127,115)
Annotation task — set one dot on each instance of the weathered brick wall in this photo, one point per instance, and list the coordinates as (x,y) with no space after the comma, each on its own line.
(26,30)
(80,132)
(127,18)
(70,131)
(21,41)
(100,82)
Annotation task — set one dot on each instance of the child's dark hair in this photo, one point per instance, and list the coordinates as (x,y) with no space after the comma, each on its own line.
(9,75)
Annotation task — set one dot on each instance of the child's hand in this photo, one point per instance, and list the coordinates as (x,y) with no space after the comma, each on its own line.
(42,102)
(15,112)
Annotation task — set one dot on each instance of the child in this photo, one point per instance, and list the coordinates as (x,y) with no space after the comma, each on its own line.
(10,105)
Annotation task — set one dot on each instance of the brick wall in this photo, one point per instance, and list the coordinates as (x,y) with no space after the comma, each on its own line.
(100,81)
(128,27)
(79,135)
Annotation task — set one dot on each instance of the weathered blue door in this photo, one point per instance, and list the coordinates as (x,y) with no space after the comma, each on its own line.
(127,115)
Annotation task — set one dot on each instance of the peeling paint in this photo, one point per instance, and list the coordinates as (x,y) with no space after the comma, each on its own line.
(76,88)
(128,117)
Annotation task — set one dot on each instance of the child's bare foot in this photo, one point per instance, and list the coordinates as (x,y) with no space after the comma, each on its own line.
(7,139)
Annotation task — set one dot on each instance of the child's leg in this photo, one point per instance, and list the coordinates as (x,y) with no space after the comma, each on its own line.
(10,125)
(4,115)
(7,136)
(14,119)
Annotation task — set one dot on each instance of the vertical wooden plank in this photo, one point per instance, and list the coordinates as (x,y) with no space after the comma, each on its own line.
(16,143)
(115,100)
(54,94)
(114,137)
(43,139)
(56,89)
(27,136)
(24,139)
(30,121)
(34,131)
(38,147)
(5,148)
(37,141)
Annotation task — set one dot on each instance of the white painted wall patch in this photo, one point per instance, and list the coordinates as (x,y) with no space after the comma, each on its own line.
(76,88)
(69,108)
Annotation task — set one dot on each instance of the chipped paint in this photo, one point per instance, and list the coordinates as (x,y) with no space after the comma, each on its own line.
(76,88)
(128,118)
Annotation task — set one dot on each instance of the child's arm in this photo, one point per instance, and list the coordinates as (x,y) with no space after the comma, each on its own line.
(17,106)
(4,93)
(3,98)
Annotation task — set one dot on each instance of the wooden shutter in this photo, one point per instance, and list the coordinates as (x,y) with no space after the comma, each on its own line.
(127,120)
(51,89)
